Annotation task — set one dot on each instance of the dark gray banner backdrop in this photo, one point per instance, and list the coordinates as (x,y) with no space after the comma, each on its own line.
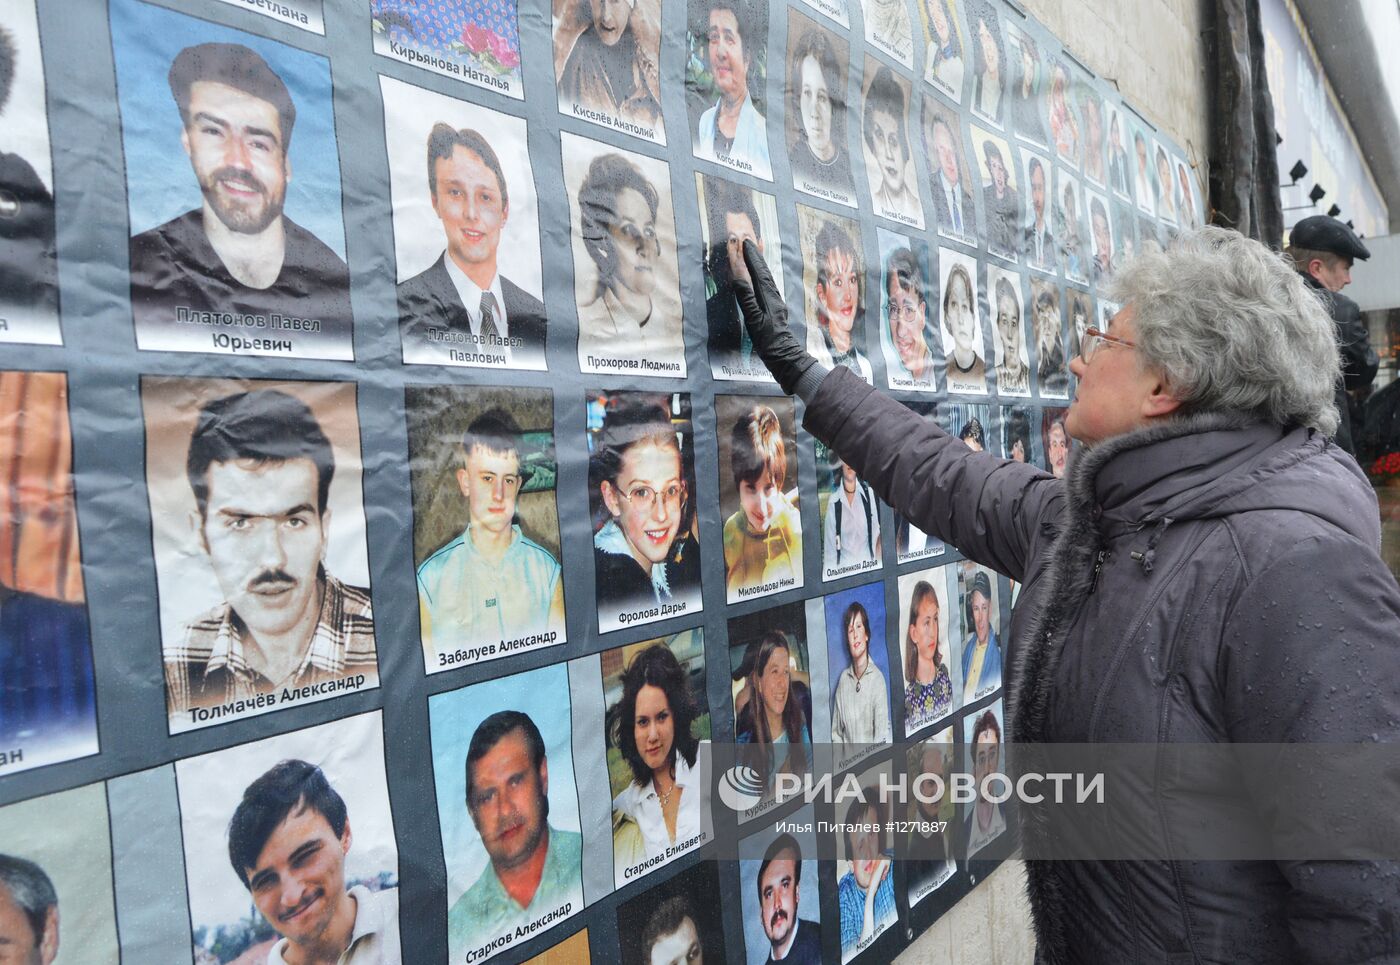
(126,801)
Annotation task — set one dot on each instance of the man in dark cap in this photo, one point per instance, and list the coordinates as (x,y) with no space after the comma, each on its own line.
(238,253)
(1323,250)
(28,286)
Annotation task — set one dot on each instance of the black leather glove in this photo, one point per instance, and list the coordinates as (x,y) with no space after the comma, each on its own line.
(766,318)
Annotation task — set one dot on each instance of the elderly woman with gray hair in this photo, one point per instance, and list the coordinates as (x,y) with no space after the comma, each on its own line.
(1207,572)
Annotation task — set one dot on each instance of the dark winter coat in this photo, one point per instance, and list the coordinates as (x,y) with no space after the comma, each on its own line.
(1359,361)
(1163,582)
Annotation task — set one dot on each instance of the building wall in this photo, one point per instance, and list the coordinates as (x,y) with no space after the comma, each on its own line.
(1152,49)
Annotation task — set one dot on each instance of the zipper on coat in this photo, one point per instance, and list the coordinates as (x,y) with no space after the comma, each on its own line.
(1098,565)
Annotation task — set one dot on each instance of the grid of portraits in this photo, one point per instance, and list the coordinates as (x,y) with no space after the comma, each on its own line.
(394,499)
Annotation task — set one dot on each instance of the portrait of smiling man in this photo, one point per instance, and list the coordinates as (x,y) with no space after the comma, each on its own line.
(534,868)
(260,467)
(463,293)
(288,841)
(238,252)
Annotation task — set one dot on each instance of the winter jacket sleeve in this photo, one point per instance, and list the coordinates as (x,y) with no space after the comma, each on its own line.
(1359,361)
(1311,655)
(988,508)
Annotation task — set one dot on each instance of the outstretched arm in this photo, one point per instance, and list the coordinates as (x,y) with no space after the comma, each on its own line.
(987,507)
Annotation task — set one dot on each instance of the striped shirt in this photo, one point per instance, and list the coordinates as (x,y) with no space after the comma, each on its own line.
(209,666)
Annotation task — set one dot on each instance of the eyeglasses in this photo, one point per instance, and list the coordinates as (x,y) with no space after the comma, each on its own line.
(643,498)
(1092,338)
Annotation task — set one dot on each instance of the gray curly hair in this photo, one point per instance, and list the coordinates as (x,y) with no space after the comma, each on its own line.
(1232,327)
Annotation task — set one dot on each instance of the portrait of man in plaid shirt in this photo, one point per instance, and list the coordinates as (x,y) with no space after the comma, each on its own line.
(261,466)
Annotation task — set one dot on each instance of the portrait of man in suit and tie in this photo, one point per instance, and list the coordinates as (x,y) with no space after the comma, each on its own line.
(462,304)
(948,183)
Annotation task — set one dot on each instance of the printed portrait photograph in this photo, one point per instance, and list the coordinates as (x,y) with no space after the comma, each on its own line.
(833,279)
(1013,367)
(962,330)
(233,189)
(991,73)
(626,284)
(909,312)
(607,58)
(474,41)
(945,46)
(56,895)
(1164,183)
(1029,83)
(979,600)
(1144,187)
(258,524)
(1047,324)
(1071,230)
(817,142)
(759,495)
(850,512)
(48,709)
(508,810)
(912,543)
(1054,441)
(865,872)
(726,76)
(1187,195)
(1037,234)
(486,543)
(289,846)
(677,921)
(1001,196)
(1124,228)
(466,232)
(571,951)
(731,214)
(971,423)
(858,672)
(927,850)
(641,493)
(1120,153)
(929,647)
(1094,139)
(889,155)
(1081,316)
(782,916)
(950,178)
(1101,238)
(1062,120)
(657,718)
(1016,433)
(773,672)
(889,29)
(29,268)
(983,820)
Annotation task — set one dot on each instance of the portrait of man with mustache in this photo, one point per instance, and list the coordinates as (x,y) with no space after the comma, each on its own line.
(793,939)
(238,252)
(260,466)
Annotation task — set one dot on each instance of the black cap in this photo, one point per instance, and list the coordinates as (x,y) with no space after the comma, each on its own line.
(1321,233)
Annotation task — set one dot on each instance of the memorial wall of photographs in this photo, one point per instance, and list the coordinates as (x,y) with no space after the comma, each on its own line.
(395,513)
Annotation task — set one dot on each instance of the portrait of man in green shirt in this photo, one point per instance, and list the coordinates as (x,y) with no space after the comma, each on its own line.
(535,870)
